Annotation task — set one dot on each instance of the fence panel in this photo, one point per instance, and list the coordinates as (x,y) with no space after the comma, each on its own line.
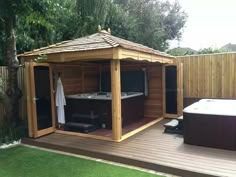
(209,76)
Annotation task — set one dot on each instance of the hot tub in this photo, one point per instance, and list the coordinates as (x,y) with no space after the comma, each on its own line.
(211,123)
(100,104)
(103,95)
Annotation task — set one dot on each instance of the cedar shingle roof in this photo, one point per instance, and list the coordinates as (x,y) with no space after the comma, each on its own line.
(101,40)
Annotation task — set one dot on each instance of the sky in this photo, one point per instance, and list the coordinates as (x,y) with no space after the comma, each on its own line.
(210,23)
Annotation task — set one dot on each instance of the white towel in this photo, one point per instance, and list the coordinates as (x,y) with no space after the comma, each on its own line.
(60,102)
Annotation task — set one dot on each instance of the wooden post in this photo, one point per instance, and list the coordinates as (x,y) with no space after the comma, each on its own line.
(28,99)
(163,90)
(180,97)
(116,100)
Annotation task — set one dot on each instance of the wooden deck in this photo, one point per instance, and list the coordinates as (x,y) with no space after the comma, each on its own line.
(126,129)
(150,149)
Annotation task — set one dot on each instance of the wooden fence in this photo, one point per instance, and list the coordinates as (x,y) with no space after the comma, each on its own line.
(209,76)
(4,76)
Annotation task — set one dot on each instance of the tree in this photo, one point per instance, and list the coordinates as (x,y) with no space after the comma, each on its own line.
(1,42)
(180,51)
(92,13)
(157,21)
(120,21)
(149,22)
(210,50)
(46,22)
(188,51)
(41,23)
(8,11)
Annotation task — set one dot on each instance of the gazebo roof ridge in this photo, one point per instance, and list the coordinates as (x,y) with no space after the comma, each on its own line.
(100,40)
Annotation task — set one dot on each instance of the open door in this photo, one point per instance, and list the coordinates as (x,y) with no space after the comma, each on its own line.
(40,99)
(173,90)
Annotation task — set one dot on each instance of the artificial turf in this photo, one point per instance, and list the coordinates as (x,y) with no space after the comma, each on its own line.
(23,161)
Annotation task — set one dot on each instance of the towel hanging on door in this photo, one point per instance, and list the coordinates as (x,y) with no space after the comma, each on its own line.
(60,102)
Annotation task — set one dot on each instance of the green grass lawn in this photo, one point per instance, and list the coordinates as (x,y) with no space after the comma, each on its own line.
(23,161)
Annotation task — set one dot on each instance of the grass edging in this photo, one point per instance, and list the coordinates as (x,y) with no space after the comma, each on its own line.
(102,161)
(27,161)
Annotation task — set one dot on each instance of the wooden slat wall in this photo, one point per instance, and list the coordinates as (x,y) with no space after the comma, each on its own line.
(22,104)
(78,78)
(153,102)
(209,76)
(91,78)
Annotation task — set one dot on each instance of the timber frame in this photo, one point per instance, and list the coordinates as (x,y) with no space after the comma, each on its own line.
(112,54)
(179,67)
(101,54)
(31,101)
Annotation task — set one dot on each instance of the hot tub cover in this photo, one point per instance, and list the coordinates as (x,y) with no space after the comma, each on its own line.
(213,107)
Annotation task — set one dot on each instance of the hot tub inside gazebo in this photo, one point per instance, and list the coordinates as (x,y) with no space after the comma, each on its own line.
(93,104)
(113,88)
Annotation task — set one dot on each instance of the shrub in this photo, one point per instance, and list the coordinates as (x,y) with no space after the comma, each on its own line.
(10,133)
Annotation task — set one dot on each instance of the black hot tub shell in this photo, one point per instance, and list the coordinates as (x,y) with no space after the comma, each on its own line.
(211,123)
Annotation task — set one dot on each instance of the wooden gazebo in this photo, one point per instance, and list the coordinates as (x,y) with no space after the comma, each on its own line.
(83,58)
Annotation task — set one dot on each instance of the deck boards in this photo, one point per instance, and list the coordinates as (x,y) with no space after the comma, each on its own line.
(150,149)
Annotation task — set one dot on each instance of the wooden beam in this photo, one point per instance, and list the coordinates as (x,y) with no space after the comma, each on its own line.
(116,53)
(127,135)
(36,132)
(28,99)
(101,54)
(142,56)
(91,55)
(180,89)
(85,135)
(53,104)
(32,100)
(179,77)
(116,100)
(163,90)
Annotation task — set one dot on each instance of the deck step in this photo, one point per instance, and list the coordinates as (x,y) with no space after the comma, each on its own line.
(80,127)
(175,126)
(172,124)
